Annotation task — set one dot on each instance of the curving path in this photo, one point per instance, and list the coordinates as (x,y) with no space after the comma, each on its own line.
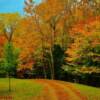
(57,90)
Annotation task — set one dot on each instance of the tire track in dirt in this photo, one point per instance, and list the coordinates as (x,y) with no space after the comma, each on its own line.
(48,92)
(66,90)
(78,93)
(73,89)
(58,91)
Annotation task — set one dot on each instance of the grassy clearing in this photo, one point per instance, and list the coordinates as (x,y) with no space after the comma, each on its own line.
(92,93)
(21,89)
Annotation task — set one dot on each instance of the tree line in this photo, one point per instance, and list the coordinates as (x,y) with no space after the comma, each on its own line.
(56,39)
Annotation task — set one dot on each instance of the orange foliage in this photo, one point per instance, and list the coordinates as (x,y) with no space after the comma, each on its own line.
(88,29)
(2,40)
(49,9)
(87,26)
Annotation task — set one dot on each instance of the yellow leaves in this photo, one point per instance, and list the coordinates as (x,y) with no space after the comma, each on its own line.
(49,8)
(78,14)
(85,34)
(9,19)
(2,42)
(87,27)
(89,70)
(27,39)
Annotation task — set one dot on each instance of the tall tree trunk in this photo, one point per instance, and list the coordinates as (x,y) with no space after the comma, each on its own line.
(42,41)
(52,64)
(44,71)
(43,50)
(9,81)
(51,54)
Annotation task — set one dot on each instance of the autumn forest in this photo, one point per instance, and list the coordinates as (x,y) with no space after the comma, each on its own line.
(53,40)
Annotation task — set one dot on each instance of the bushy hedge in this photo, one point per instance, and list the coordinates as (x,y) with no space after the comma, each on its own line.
(83,76)
(2,73)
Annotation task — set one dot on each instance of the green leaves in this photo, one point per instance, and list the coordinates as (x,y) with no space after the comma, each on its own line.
(10,60)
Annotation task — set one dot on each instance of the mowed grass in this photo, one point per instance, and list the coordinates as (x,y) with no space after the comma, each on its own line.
(30,89)
(92,93)
(89,92)
(21,89)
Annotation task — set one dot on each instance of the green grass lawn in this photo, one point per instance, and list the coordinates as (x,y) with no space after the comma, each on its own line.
(92,93)
(28,89)
(21,89)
